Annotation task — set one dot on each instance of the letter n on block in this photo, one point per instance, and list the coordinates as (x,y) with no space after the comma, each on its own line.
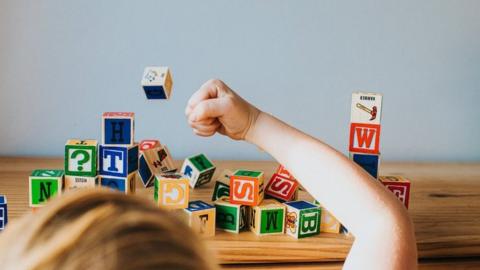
(281,188)
(364,138)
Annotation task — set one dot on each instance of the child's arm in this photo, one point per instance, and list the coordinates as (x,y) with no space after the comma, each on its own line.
(384,235)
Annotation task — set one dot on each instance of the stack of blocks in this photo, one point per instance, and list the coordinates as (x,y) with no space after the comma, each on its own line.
(80,164)
(154,159)
(3,212)
(118,153)
(364,146)
(43,185)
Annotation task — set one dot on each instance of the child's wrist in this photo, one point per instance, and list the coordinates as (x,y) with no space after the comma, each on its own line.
(250,134)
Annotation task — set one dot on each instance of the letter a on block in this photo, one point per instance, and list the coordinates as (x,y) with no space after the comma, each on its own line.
(365,138)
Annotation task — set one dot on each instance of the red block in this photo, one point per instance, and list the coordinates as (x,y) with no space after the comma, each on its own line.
(281,188)
(400,186)
(364,138)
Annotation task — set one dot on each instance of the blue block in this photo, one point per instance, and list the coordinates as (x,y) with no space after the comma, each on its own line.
(118,161)
(145,172)
(118,131)
(368,162)
(301,205)
(114,183)
(198,205)
(155,92)
(3,212)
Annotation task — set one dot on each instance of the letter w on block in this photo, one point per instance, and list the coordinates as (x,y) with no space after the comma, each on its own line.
(365,138)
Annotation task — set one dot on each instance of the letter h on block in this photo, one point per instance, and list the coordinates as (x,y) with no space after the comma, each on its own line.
(201,217)
(171,190)
(118,128)
(281,188)
(303,219)
(3,212)
(400,186)
(267,218)
(246,187)
(43,185)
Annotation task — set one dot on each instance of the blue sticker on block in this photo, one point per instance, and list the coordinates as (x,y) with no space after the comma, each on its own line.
(117,131)
(198,205)
(114,183)
(301,205)
(188,171)
(113,161)
(133,159)
(144,171)
(368,162)
(3,212)
(155,92)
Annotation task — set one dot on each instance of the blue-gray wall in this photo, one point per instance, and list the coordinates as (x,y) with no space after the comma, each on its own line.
(63,63)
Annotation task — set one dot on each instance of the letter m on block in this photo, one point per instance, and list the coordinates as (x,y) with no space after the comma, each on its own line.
(364,138)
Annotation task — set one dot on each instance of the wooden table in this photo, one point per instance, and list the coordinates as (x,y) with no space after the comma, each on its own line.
(444,205)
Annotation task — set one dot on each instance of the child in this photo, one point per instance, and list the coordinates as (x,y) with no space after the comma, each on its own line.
(384,235)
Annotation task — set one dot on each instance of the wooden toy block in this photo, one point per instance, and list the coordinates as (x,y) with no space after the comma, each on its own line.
(230,217)
(118,161)
(281,188)
(123,184)
(366,108)
(171,191)
(328,224)
(284,172)
(3,212)
(199,169)
(267,218)
(43,185)
(247,187)
(81,158)
(303,219)
(80,182)
(222,185)
(364,138)
(157,82)
(201,217)
(400,186)
(369,163)
(154,159)
(118,128)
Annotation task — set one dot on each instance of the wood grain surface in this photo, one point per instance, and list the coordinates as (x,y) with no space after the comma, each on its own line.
(445,207)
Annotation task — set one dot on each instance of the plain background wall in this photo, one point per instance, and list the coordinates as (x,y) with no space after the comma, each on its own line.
(63,63)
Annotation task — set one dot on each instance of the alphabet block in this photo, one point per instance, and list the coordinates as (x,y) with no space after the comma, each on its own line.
(201,217)
(247,187)
(171,191)
(81,158)
(118,128)
(366,108)
(368,162)
(222,185)
(43,185)
(123,184)
(199,170)
(267,218)
(118,161)
(284,172)
(154,159)
(80,182)
(157,82)
(230,217)
(364,138)
(303,219)
(3,212)
(281,188)
(399,185)
(328,224)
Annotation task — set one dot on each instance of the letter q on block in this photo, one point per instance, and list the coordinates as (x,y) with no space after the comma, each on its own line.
(171,191)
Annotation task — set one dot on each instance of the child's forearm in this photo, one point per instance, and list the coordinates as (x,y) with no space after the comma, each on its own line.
(379,222)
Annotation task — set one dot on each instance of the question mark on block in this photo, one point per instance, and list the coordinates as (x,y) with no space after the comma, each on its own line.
(83,160)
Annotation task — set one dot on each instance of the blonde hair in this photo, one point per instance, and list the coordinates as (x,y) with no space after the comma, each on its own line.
(99,229)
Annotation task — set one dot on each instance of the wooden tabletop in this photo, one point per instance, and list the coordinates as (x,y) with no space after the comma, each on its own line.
(444,205)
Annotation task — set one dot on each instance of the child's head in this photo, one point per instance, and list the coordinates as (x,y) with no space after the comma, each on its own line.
(99,229)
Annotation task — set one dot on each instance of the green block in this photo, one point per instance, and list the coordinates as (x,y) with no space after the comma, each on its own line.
(227,217)
(42,189)
(48,173)
(248,173)
(220,190)
(81,158)
(271,221)
(309,222)
(201,162)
